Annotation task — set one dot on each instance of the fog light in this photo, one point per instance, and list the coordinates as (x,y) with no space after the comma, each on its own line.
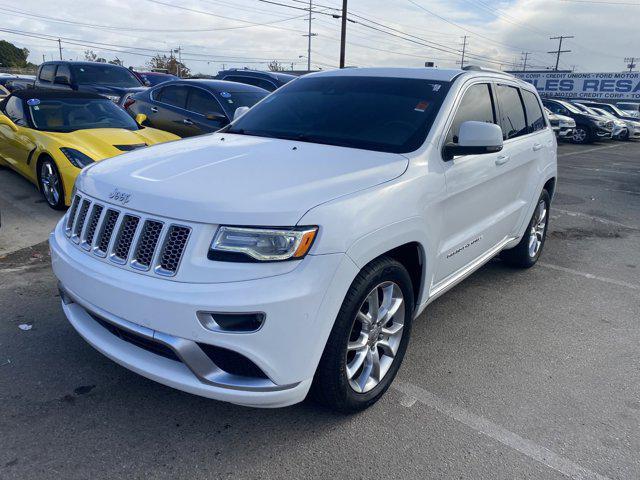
(231,322)
(66,299)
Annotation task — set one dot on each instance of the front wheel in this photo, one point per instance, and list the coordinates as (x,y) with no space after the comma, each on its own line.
(529,249)
(581,135)
(50,183)
(368,340)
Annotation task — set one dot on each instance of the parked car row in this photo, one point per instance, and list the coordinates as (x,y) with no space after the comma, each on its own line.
(594,120)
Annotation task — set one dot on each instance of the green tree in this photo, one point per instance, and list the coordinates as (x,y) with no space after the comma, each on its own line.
(12,56)
(169,65)
(116,61)
(91,56)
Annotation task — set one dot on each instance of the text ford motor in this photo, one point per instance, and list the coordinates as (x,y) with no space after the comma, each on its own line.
(291,251)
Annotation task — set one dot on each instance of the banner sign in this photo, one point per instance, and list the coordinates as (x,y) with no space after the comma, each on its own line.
(601,86)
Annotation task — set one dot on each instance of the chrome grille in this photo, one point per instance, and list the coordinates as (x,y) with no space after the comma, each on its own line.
(71,215)
(82,216)
(126,238)
(173,249)
(147,245)
(92,226)
(106,232)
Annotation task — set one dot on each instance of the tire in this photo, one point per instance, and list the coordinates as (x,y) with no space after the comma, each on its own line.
(581,135)
(50,184)
(625,136)
(355,325)
(527,253)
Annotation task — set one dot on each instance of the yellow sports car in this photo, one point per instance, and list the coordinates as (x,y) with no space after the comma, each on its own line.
(49,136)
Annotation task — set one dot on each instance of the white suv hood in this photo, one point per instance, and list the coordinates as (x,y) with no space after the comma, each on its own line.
(237,179)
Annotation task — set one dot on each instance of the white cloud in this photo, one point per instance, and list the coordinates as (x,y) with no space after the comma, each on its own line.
(497,30)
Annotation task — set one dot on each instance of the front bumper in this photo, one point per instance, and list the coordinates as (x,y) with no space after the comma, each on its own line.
(565,132)
(300,308)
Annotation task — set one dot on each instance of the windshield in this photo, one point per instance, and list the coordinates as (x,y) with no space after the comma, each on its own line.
(372,113)
(232,100)
(156,78)
(629,106)
(569,106)
(108,75)
(69,114)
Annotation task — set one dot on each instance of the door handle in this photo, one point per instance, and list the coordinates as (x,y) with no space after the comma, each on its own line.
(502,159)
(186,121)
(537,146)
(154,109)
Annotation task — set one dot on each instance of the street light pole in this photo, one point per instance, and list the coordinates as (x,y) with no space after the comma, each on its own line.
(343,33)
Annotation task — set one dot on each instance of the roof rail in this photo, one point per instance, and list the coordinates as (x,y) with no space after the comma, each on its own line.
(477,68)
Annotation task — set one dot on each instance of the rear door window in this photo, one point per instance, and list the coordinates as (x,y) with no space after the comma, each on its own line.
(512,117)
(175,95)
(202,102)
(47,73)
(64,72)
(258,82)
(535,117)
(476,105)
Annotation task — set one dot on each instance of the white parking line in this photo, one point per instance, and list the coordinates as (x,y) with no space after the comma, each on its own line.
(605,170)
(590,276)
(595,218)
(582,152)
(501,434)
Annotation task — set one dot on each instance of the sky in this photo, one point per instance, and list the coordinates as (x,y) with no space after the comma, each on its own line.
(217,34)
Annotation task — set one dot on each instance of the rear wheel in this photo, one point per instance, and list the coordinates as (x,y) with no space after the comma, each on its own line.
(50,183)
(527,252)
(368,340)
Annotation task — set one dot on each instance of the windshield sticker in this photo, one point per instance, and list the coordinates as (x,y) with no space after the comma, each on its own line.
(225,94)
(435,87)
(421,106)
(32,102)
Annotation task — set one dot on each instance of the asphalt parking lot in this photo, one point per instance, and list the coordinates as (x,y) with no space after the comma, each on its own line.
(512,374)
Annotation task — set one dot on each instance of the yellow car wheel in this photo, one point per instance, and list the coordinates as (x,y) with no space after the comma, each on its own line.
(50,184)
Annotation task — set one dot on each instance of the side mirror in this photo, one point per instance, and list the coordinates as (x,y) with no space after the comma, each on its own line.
(215,116)
(475,138)
(62,80)
(141,118)
(240,111)
(4,120)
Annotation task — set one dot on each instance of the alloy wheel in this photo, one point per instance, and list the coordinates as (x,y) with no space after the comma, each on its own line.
(375,337)
(538,226)
(579,135)
(50,183)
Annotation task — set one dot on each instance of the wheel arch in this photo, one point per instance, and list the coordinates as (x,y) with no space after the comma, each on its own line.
(405,242)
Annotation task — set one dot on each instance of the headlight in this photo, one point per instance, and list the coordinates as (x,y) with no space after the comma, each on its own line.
(77,159)
(241,244)
(113,98)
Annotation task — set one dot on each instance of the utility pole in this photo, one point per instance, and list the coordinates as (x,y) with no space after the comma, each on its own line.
(43,58)
(179,60)
(464,49)
(525,57)
(60,48)
(631,63)
(309,35)
(343,33)
(559,51)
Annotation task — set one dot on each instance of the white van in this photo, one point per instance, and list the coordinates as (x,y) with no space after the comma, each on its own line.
(290,252)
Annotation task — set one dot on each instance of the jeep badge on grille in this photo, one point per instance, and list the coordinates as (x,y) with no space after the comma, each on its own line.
(119,196)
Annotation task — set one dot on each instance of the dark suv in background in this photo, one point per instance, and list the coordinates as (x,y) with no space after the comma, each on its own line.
(112,81)
(589,128)
(267,80)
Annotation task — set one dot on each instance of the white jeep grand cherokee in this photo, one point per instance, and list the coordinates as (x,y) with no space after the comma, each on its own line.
(290,252)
